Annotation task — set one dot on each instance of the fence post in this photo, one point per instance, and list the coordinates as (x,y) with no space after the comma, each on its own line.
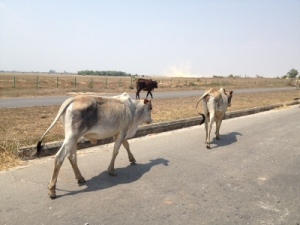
(37,82)
(14,81)
(75,83)
(106,83)
(56,82)
(91,84)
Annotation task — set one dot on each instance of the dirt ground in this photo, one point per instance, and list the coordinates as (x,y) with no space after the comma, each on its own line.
(24,126)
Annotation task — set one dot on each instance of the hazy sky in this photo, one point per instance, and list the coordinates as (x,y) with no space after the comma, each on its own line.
(154,37)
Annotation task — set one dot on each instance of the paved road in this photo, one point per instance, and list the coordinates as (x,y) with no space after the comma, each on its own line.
(58,100)
(250,176)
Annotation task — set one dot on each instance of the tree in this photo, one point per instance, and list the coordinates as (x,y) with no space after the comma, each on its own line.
(292,73)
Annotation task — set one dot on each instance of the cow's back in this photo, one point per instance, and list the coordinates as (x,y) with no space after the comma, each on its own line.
(141,84)
(94,112)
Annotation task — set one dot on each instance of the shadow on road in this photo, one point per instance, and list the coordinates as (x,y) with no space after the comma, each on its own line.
(225,139)
(129,174)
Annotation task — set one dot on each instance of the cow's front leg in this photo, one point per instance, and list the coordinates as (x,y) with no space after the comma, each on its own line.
(118,141)
(130,155)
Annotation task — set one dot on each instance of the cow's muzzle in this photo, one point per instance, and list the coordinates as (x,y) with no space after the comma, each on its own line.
(148,121)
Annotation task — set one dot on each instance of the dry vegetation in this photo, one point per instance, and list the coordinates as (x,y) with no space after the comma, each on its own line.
(21,85)
(24,126)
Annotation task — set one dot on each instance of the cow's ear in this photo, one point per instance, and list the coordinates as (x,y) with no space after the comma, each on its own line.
(231,92)
(145,101)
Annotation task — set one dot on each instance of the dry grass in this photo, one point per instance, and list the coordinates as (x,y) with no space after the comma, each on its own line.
(24,126)
(20,85)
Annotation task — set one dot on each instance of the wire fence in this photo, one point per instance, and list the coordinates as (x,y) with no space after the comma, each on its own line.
(16,85)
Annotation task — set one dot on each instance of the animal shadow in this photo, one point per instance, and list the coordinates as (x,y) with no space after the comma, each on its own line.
(129,174)
(225,139)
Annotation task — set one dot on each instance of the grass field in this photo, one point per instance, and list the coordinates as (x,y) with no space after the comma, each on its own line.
(24,126)
(20,85)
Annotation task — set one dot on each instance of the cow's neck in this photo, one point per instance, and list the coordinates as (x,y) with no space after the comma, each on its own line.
(135,120)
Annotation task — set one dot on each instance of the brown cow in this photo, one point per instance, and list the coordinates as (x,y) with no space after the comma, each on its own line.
(145,85)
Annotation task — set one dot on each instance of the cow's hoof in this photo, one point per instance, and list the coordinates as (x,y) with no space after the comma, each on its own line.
(112,173)
(132,160)
(81,180)
(207,146)
(52,194)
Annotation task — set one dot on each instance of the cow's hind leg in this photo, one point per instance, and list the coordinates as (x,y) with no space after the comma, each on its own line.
(73,160)
(212,119)
(119,138)
(218,125)
(151,94)
(59,159)
(130,155)
(137,96)
(219,119)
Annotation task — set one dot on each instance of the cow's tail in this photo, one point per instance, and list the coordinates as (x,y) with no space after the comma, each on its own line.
(59,114)
(203,116)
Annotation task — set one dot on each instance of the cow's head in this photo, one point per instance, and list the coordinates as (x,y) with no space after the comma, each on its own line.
(146,113)
(229,96)
(154,83)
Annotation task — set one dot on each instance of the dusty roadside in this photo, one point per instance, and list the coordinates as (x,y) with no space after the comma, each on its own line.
(23,127)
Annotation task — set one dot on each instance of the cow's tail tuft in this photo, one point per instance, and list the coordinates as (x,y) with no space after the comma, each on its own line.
(62,110)
(39,148)
(201,114)
(203,118)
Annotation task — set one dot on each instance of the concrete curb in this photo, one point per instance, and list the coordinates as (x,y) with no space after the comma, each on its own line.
(51,148)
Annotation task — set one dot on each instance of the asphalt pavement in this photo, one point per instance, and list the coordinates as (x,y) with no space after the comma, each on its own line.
(250,176)
(58,100)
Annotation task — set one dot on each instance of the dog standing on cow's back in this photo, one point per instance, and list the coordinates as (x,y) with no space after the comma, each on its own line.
(215,103)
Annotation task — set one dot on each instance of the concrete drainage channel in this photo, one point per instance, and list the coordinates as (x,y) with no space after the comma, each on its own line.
(51,148)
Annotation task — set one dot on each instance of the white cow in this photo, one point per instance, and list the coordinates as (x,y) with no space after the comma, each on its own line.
(94,118)
(215,104)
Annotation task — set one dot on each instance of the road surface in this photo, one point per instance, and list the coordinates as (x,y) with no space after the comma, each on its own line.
(58,100)
(250,176)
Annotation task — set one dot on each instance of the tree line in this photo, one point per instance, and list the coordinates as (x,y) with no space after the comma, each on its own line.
(104,73)
(293,73)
